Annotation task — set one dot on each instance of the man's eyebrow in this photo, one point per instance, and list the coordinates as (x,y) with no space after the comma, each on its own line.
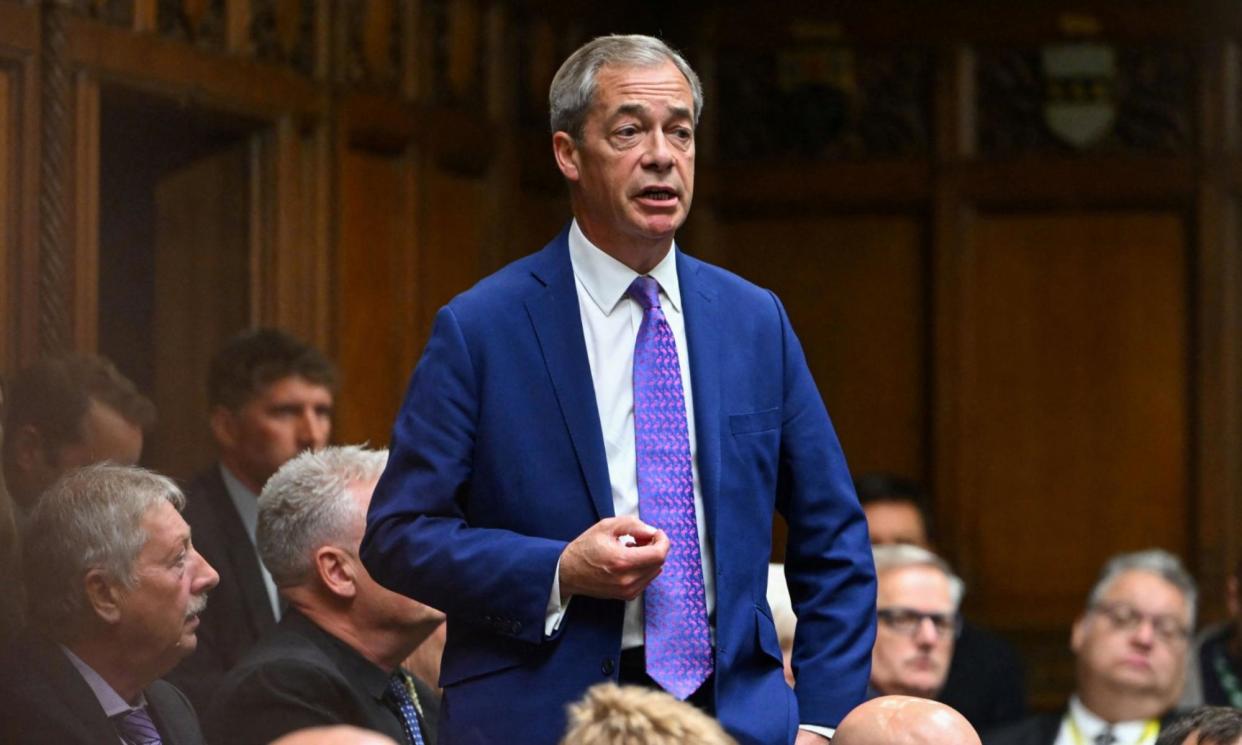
(680,112)
(630,108)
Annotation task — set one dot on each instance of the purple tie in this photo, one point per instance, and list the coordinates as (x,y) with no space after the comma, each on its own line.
(135,727)
(679,652)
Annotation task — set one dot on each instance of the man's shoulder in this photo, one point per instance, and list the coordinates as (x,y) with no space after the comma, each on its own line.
(717,282)
(1038,729)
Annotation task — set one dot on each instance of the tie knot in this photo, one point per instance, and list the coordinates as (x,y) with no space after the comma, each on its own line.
(645,291)
(136,727)
(1106,737)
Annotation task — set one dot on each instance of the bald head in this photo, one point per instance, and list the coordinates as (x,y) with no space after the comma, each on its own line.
(338,735)
(904,720)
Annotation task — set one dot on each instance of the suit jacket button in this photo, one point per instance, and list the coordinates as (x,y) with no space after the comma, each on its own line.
(607,667)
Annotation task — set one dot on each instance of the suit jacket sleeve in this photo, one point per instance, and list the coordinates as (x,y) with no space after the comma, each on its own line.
(828,562)
(417,533)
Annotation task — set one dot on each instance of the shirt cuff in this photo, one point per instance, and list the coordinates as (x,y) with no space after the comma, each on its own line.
(556,609)
(825,731)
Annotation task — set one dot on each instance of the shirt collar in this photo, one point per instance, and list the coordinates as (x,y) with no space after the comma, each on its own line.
(245,501)
(1091,725)
(605,279)
(107,696)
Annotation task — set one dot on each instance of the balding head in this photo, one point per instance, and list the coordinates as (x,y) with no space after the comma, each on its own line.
(904,720)
(338,735)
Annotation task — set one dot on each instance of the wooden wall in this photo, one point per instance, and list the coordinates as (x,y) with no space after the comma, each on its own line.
(1040,322)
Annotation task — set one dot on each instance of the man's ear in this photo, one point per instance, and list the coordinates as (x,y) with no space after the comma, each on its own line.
(104,595)
(566,152)
(223,426)
(28,450)
(336,571)
(1077,633)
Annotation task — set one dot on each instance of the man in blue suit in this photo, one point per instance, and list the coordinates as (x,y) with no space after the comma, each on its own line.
(584,471)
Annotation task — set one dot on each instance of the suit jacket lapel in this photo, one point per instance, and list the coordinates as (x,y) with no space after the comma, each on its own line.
(67,684)
(557,321)
(242,556)
(703,335)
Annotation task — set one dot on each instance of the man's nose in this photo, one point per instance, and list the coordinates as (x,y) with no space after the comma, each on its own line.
(1144,634)
(658,155)
(926,634)
(207,577)
(313,430)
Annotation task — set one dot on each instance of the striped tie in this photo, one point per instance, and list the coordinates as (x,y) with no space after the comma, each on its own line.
(136,728)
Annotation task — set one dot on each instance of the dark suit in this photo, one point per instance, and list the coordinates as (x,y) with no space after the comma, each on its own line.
(238,609)
(498,461)
(986,681)
(1040,729)
(298,676)
(44,699)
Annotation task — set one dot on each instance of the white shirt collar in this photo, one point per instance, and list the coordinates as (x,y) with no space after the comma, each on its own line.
(605,279)
(1090,725)
(107,696)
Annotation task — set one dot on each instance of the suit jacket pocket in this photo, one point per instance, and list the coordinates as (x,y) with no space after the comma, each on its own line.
(759,421)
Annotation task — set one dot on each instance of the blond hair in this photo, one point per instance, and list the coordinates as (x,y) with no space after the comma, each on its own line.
(630,715)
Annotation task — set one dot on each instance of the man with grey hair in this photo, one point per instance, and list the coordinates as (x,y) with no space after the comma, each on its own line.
(335,657)
(917,606)
(587,463)
(115,591)
(1130,646)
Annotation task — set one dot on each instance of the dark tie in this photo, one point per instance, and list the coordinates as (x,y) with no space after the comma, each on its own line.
(1106,737)
(678,647)
(136,728)
(402,702)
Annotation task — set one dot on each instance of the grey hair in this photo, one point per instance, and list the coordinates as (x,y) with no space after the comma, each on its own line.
(90,519)
(902,555)
(573,87)
(305,505)
(1153,560)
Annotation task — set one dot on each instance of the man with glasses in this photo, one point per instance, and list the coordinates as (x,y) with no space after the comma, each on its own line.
(1130,646)
(916,603)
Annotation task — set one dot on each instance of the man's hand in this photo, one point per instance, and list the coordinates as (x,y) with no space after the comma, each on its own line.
(807,737)
(603,563)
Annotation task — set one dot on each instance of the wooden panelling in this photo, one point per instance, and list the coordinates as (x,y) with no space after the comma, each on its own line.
(1074,438)
(453,218)
(374,272)
(85,213)
(202,238)
(9,126)
(854,290)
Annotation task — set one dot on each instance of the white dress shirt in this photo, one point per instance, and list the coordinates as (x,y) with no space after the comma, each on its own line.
(1080,726)
(610,322)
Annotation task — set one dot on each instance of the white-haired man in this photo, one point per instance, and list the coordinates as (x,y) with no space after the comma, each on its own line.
(335,657)
(115,589)
(916,604)
(1130,646)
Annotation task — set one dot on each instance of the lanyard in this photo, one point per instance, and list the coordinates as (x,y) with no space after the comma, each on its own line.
(1150,730)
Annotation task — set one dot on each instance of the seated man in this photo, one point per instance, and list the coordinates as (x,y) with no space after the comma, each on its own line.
(270,397)
(904,720)
(114,592)
(627,715)
(63,412)
(335,657)
(1207,725)
(1130,646)
(917,599)
(1214,666)
(987,680)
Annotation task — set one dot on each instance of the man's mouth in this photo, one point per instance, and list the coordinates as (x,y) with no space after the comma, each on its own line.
(657,194)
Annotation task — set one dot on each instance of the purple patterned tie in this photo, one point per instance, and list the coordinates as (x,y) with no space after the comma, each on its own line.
(679,652)
(136,728)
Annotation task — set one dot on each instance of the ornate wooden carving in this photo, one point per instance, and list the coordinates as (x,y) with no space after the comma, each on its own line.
(283,31)
(198,21)
(825,101)
(1151,94)
(373,50)
(54,260)
(457,30)
(537,62)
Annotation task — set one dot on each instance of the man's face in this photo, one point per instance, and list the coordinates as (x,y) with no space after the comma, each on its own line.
(280,421)
(632,173)
(382,607)
(912,657)
(106,436)
(1134,642)
(159,614)
(891,523)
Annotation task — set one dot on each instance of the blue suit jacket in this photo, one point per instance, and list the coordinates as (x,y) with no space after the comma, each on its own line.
(498,462)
